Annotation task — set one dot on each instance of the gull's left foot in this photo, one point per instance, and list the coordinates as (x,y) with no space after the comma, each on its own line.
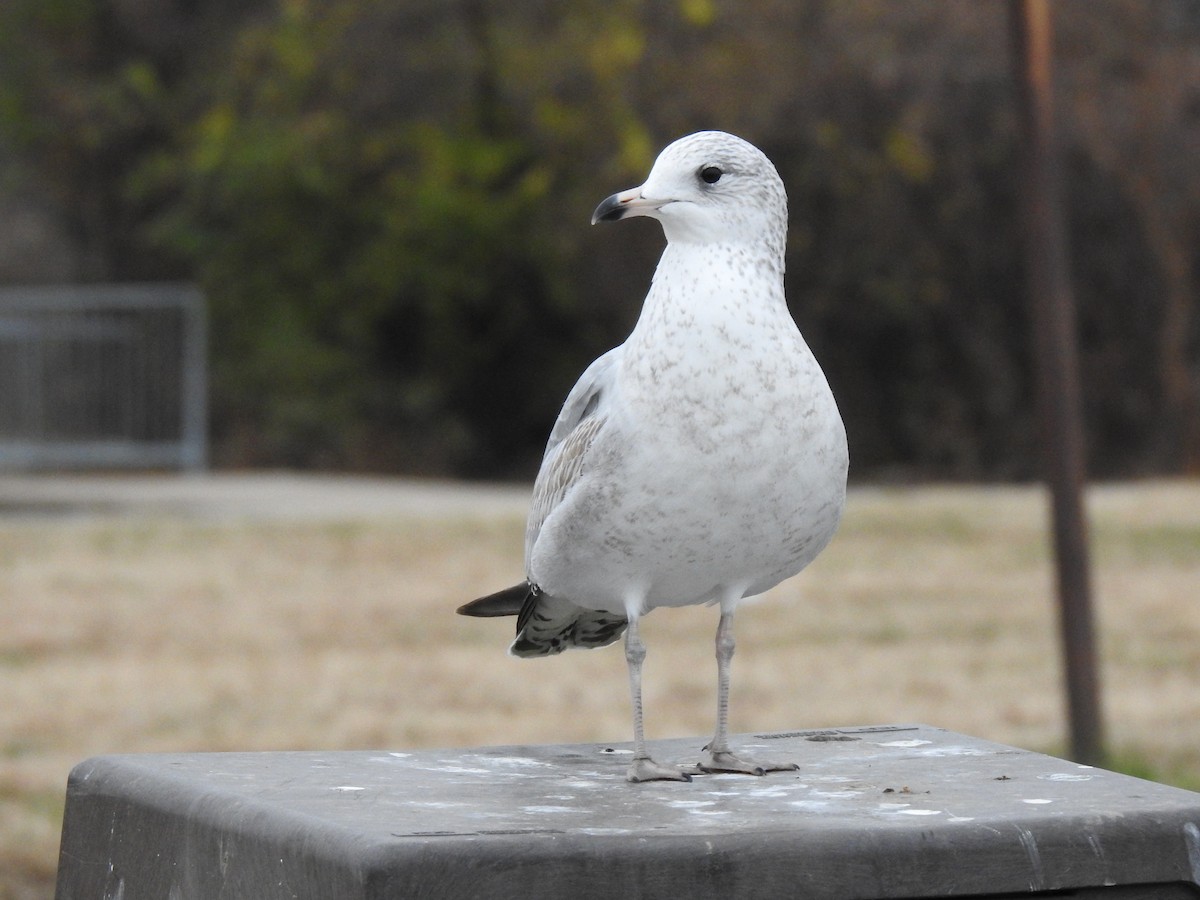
(724,761)
(643,768)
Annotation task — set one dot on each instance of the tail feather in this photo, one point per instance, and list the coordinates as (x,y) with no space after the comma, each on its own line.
(507,602)
(547,625)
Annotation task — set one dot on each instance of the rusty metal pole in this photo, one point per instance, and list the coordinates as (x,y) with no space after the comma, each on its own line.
(1056,359)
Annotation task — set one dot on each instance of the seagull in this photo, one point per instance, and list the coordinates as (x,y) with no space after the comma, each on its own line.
(701,462)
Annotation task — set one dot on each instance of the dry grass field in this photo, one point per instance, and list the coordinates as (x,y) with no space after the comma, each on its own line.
(165,630)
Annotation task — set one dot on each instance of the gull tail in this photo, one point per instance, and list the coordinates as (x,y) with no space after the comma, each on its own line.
(547,625)
(507,602)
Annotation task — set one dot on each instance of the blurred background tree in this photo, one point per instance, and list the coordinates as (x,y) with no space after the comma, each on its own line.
(387,204)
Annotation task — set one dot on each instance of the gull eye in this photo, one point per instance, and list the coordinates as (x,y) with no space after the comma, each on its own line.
(710,174)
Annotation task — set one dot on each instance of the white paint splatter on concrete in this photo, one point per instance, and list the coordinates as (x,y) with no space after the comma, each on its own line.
(435,804)
(837,795)
(814,805)
(461,770)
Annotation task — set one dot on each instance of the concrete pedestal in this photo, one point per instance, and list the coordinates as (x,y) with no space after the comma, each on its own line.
(888,811)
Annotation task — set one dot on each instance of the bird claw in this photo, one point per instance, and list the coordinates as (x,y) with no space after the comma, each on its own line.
(724,761)
(643,768)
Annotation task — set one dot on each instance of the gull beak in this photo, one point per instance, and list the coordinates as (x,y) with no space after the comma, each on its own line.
(627,203)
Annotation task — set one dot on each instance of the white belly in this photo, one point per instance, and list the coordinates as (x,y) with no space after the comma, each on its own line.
(693,502)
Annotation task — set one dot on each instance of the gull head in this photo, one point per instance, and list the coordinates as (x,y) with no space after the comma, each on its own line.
(708,187)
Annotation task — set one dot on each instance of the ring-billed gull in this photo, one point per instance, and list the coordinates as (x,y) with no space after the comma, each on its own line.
(702,461)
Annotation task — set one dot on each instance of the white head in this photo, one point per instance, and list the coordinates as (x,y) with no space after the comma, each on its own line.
(708,187)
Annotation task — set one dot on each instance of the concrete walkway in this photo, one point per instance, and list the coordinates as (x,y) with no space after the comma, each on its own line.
(259,496)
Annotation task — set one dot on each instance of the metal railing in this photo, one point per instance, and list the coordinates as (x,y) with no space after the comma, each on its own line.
(103,376)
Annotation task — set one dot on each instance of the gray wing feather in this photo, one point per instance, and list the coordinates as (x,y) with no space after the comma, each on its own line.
(581,417)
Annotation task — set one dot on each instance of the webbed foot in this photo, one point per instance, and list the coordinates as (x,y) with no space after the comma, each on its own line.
(725,761)
(643,768)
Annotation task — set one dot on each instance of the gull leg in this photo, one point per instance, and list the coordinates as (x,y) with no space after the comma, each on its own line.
(717,756)
(642,768)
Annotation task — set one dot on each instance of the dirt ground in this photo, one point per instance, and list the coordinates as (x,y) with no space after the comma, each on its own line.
(262,612)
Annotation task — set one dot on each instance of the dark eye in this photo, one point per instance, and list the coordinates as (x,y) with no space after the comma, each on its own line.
(710,174)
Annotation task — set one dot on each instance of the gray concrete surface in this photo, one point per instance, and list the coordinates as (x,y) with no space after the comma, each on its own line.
(901,811)
(258,496)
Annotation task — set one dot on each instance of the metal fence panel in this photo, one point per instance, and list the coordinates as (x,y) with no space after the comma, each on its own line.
(103,376)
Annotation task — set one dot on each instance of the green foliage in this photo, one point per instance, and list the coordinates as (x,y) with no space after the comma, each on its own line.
(386,204)
(375,287)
